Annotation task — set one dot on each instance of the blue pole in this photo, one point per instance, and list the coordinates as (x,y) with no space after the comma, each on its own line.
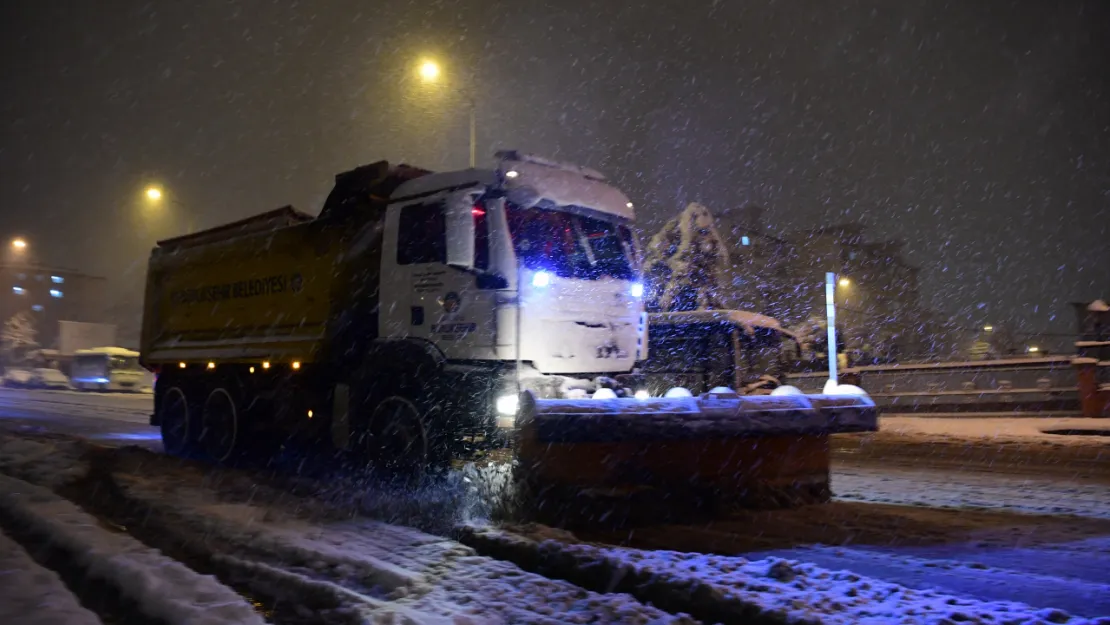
(830,312)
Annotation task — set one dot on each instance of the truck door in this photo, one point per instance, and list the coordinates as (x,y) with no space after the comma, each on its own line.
(422,295)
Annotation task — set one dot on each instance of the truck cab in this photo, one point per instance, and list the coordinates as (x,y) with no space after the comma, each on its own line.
(530,269)
(705,349)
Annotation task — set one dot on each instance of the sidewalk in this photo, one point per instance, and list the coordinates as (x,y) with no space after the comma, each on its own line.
(998,444)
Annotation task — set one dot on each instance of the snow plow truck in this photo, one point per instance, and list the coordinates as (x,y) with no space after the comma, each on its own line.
(422,313)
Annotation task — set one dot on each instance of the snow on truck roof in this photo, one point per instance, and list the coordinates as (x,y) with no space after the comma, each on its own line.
(560,183)
(107,351)
(743,318)
(564,184)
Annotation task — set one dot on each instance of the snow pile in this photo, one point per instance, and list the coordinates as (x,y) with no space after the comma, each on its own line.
(161,587)
(32,595)
(50,462)
(402,572)
(772,590)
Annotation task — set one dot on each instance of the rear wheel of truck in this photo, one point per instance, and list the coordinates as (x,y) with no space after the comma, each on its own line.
(176,427)
(398,439)
(219,431)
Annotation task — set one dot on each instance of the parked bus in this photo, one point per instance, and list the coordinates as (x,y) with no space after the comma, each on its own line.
(109,369)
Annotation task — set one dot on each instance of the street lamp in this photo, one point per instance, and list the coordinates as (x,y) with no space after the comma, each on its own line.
(430,72)
(19,244)
(844,282)
(153,194)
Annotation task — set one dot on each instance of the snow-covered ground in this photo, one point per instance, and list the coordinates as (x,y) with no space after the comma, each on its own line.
(33,595)
(302,555)
(1001,431)
(763,589)
(940,489)
(160,587)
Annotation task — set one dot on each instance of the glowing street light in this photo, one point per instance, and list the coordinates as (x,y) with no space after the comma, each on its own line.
(19,244)
(429,70)
(844,282)
(988,328)
(153,194)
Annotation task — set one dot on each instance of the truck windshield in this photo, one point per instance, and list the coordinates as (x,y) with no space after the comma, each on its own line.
(570,245)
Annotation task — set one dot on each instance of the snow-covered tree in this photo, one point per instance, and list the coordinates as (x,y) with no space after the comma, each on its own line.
(686,263)
(18,338)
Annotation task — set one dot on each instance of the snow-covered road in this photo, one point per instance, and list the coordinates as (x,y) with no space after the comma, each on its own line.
(920,543)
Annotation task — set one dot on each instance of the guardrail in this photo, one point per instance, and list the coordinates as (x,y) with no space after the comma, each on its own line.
(1046,386)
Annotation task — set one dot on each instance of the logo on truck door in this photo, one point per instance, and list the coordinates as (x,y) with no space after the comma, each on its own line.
(451,302)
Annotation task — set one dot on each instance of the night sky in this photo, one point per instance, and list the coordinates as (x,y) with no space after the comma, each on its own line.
(977,131)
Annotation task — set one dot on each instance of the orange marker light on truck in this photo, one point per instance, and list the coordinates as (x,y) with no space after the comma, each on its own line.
(180,365)
(265,365)
(296,364)
(211,365)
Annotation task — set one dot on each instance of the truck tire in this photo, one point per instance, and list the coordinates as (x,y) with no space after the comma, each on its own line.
(398,439)
(219,426)
(177,427)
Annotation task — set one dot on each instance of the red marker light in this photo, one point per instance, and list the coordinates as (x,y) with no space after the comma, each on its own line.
(477,212)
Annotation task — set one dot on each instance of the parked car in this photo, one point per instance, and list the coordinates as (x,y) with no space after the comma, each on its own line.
(41,377)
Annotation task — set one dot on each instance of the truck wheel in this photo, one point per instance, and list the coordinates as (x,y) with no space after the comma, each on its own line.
(176,428)
(398,438)
(219,432)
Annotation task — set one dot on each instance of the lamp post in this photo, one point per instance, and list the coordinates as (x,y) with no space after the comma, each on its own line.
(430,72)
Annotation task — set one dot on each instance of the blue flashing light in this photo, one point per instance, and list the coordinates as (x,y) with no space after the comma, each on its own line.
(637,289)
(541,279)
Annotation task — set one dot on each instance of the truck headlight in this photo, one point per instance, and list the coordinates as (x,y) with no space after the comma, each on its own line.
(641,394)
(507,405)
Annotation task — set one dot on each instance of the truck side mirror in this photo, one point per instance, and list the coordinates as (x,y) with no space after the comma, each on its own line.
(460,230)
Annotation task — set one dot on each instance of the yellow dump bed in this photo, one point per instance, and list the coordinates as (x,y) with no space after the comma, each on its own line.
(259,289)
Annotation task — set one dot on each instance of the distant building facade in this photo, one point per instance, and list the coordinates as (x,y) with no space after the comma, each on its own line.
(50,295)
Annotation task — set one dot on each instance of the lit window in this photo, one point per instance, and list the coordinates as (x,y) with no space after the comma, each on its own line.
(18,290)
(37,308)
(55,293)
(745,241)
(57,279)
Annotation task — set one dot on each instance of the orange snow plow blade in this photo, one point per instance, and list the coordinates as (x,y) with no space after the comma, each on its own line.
(623,461)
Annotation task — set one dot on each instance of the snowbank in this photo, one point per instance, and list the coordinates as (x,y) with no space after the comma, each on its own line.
(773,590)
(402,571)
(160,587)
(49,462)
(33,595)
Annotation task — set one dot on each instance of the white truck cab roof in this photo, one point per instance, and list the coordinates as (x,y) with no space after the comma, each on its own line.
(553,183)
